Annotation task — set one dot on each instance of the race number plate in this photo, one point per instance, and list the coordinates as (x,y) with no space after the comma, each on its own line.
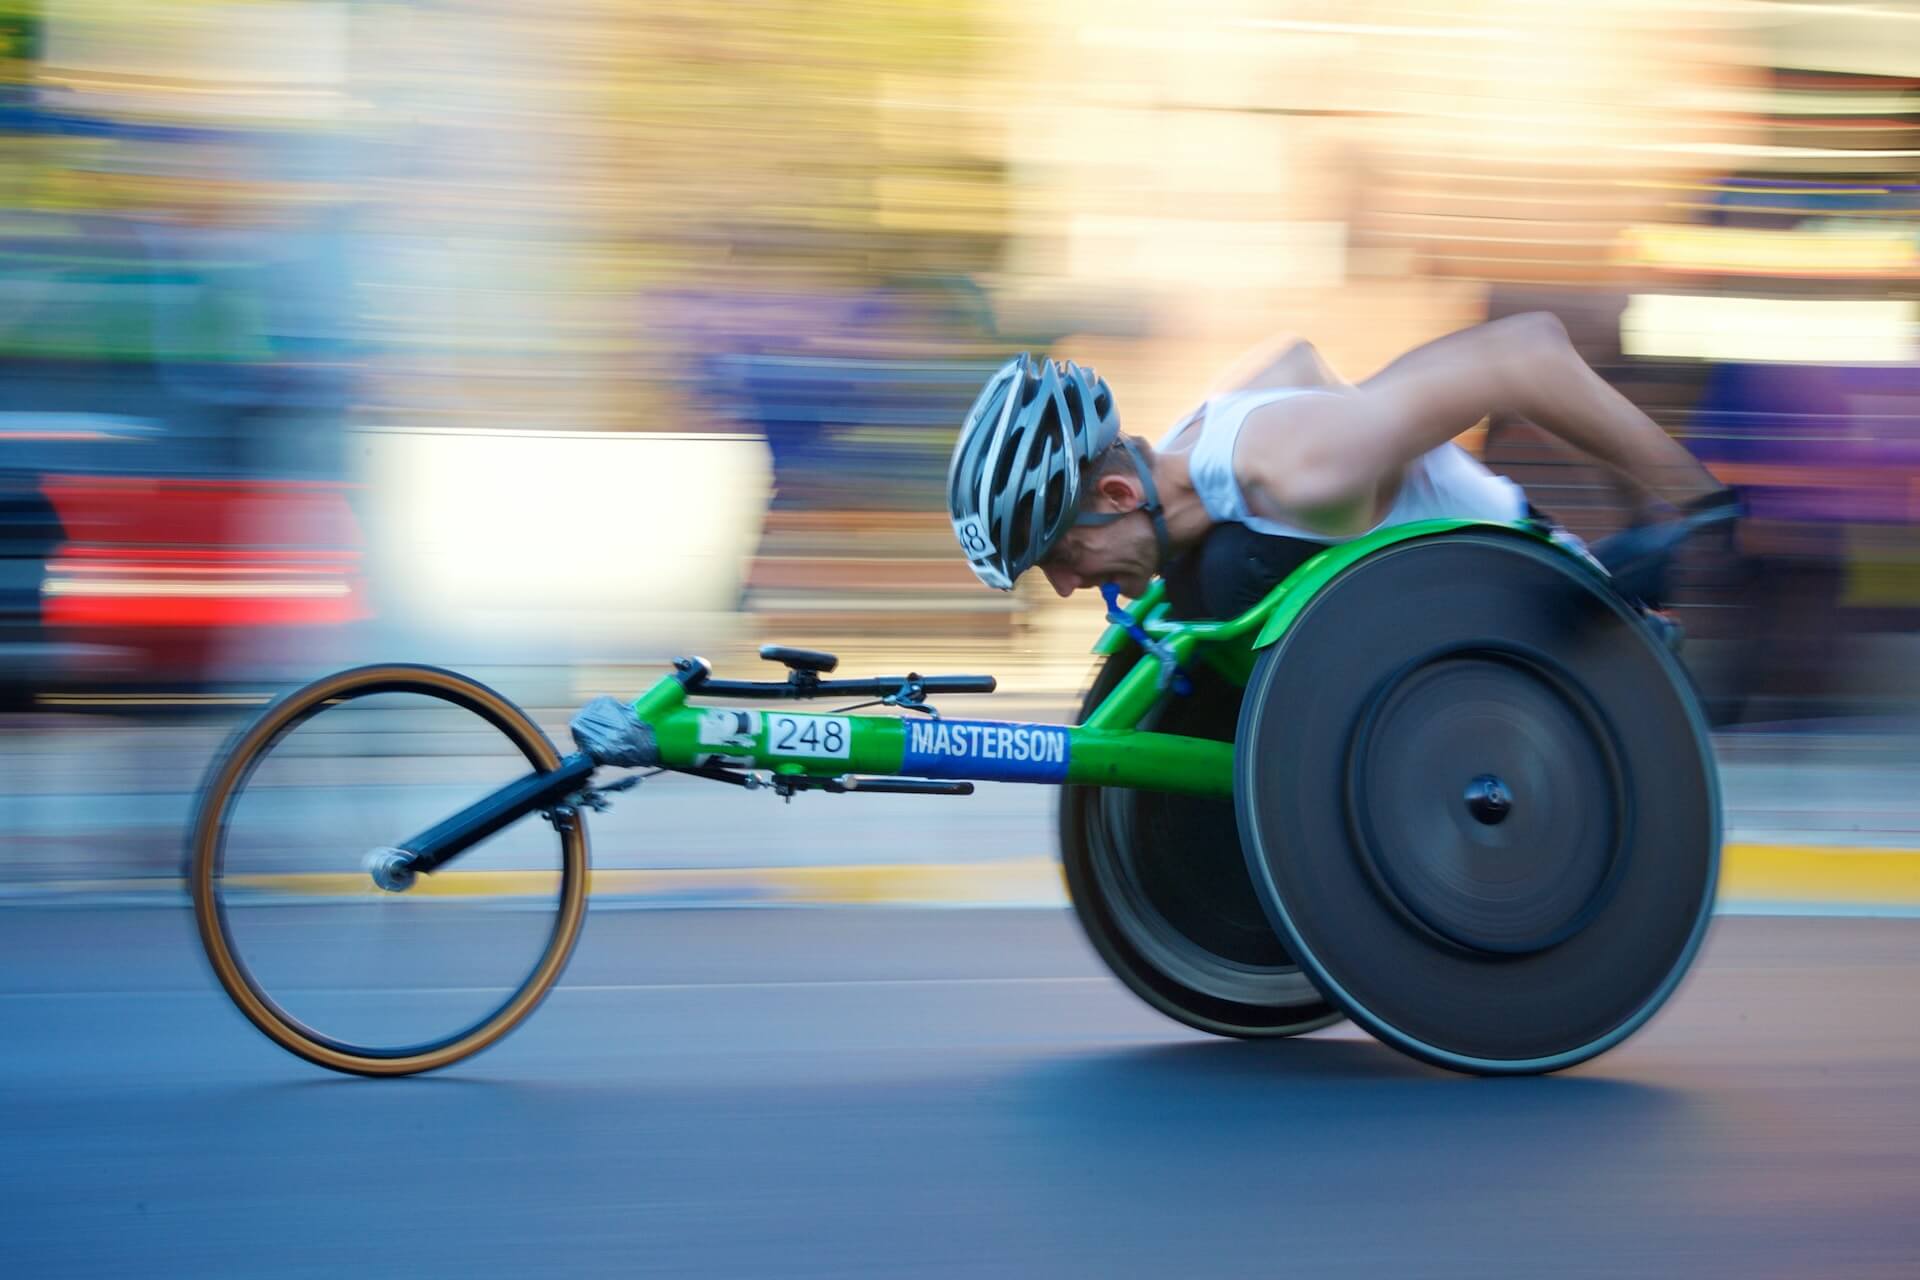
(812,737)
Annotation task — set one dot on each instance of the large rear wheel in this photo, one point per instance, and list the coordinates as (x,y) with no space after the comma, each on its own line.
(1479,803)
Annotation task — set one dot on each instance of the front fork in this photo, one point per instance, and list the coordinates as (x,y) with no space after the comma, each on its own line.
(394,869)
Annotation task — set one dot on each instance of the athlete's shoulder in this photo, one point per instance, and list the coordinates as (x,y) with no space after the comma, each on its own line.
(1283,411)
(1293,460)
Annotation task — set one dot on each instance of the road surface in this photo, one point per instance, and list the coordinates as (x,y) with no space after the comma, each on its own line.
(891,1092)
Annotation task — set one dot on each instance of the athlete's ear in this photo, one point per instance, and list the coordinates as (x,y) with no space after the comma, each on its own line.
(1120,491)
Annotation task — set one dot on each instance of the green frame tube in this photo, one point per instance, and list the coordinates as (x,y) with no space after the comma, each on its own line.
(1108,749)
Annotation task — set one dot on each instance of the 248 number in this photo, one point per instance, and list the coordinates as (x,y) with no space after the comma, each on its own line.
(810,736)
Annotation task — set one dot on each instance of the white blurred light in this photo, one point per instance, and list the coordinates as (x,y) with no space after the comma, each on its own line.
(1796,330)
(220,61)
(574,542)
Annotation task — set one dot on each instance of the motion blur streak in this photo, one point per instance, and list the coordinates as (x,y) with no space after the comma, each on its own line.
(547,340)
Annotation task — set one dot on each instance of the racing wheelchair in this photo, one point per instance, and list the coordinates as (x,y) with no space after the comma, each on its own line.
(1448,780)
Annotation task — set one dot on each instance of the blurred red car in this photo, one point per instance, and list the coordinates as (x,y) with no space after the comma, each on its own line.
(118,587)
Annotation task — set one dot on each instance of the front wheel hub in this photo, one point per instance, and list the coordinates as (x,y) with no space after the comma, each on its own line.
(392,869)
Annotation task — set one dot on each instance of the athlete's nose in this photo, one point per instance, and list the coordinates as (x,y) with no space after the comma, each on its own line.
(1063,581)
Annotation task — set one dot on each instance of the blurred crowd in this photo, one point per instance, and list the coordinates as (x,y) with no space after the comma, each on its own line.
(586,332)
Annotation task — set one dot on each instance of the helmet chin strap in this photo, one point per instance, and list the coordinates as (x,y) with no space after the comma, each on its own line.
(1151,506)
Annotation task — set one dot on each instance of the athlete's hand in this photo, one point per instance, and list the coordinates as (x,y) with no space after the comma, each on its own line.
(1640,557)
(1725,504)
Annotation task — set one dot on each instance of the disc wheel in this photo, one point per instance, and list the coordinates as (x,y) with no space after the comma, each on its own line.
(319,957)
(1160,886)
(1479,804)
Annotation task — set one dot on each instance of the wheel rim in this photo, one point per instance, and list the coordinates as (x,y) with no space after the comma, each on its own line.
(380,946)
(1206,950)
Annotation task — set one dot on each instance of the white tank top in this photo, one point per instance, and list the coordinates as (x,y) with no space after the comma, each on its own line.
(1443,483)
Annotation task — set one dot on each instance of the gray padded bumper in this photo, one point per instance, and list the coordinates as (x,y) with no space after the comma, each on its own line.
(607,730)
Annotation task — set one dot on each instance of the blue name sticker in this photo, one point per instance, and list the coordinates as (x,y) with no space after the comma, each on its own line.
(983,749)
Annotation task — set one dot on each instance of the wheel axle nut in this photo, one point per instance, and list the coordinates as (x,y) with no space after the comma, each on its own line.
(392,869)
(1488,799)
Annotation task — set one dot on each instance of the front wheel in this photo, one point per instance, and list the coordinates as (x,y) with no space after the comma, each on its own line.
(315,953)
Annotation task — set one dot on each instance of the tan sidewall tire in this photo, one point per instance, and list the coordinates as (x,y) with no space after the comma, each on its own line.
(207,833)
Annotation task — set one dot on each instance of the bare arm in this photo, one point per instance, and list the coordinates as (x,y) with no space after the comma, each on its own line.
(1327,456)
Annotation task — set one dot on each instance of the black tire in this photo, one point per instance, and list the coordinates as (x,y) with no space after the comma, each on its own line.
(1480,804)
(478,713)
(1160,886)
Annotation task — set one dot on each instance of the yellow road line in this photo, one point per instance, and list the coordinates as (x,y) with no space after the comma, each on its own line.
(1815,875)
(1819,874)
(1014,880)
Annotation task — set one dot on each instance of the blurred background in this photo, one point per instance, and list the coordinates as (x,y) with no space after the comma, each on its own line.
(547,340)
(550,340)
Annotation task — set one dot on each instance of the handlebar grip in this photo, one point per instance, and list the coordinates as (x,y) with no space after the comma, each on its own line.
(958,684)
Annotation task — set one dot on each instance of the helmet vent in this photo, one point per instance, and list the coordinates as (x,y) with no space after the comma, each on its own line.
(1056,499)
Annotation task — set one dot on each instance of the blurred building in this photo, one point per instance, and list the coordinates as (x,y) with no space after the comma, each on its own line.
(1765,312)
(176,361)
(588,333)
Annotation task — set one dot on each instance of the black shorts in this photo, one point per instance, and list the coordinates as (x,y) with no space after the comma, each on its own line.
(1232,570)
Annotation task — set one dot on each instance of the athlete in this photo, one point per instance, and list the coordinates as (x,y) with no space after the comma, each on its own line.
(1258,478)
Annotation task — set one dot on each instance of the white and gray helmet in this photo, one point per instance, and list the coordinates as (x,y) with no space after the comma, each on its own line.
(1013,486)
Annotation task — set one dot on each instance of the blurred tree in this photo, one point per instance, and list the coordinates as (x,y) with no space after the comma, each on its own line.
(830,140)
(550,171)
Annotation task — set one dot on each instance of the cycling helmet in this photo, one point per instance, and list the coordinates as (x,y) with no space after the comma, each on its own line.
(1013,486)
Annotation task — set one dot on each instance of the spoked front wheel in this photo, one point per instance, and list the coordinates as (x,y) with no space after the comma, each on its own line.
(292,819)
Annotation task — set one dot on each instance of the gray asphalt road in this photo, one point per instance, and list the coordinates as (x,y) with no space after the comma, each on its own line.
(958,1093)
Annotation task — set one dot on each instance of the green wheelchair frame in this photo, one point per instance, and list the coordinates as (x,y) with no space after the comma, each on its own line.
(1107,749)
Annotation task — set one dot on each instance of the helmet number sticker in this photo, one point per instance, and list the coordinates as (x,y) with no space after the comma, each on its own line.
(817,737)
(972,539)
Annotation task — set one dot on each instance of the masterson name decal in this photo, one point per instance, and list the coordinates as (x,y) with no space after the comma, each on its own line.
(982,749)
